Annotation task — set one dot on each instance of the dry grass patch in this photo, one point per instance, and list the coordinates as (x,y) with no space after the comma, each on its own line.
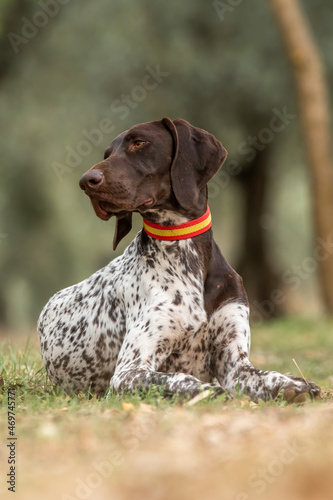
(79,447)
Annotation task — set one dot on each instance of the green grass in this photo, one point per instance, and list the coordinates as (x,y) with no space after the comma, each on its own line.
(77,446)
(308,341)
(274,345)
(22,368)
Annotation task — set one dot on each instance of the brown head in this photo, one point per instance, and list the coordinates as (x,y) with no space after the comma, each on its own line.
(162,164)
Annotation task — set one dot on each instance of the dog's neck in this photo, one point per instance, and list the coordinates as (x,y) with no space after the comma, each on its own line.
(167,217)
(180,231)
(211,265)
(174,216)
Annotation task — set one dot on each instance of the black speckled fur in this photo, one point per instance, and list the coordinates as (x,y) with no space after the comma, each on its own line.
(169,313)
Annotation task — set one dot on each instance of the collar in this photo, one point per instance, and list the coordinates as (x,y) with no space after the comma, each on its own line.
(181,232)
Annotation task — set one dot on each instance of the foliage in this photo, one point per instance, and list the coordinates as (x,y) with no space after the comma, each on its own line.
(223,75)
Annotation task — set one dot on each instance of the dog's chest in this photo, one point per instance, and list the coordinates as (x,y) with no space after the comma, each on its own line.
(191,354)
(164,301)
(164,278)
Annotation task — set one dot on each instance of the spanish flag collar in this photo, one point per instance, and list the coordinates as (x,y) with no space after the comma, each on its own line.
(181,232)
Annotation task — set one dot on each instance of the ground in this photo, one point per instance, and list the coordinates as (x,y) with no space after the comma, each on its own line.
(78,447)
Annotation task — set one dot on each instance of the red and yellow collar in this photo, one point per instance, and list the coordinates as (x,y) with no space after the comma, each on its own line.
(181,232)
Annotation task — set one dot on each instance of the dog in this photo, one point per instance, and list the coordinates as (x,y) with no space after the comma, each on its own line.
(170,311)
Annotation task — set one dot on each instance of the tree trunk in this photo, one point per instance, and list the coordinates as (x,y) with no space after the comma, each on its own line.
(312,94)
(254,265)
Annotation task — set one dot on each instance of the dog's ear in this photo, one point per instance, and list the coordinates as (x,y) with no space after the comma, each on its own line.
(123,227)
(197,157)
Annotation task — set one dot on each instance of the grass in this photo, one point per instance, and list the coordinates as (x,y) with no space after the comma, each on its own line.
(309,342)
(78,446)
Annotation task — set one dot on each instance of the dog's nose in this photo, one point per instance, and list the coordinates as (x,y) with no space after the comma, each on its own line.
(91,180)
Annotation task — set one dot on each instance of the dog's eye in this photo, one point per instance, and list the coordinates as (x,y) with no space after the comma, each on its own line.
(137,144)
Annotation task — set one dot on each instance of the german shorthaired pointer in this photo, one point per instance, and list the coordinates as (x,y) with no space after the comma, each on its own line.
(170,311)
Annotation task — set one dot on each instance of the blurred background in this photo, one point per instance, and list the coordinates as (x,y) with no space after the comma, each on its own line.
(74,74)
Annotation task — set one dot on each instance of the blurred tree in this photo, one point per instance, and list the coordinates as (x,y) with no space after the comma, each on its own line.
(11,13)
(312,93)
(224,75)
(255,264)
(25,196)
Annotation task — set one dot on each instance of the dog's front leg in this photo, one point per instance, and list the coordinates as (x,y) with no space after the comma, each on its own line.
(145,348)
(230,336)
(142,377)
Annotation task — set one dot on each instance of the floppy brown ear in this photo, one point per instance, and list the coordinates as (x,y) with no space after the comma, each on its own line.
(197,157)
(123,227)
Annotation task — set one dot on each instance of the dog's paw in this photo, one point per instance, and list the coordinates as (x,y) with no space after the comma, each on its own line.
(213,391)
(300,391)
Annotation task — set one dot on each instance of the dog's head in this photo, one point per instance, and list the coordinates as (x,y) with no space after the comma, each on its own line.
(156,165)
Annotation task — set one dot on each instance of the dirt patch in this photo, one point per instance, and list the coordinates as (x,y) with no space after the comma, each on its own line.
(217,453)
